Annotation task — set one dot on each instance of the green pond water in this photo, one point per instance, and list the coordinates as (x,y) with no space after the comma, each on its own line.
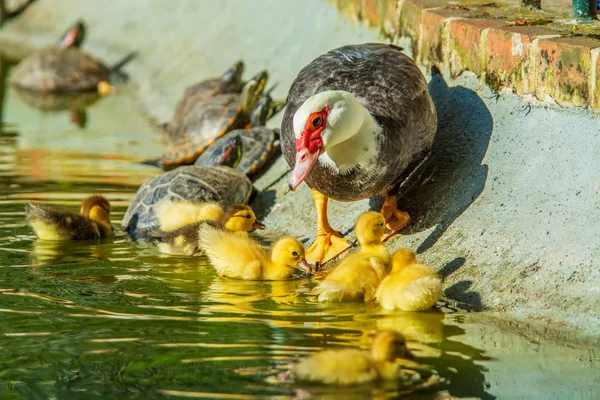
(116,319)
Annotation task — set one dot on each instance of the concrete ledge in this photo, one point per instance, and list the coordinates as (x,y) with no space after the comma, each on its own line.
(556,59)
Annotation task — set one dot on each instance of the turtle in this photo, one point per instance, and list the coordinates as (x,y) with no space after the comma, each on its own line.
(6,14)
(229,82)
(259,143)
(66,68)
(209,119)
(76,102)
(219,182)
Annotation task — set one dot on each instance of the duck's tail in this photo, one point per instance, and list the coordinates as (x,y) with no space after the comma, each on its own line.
(117,68)
(173,214)
(330,291)
(420,295)
(42,221)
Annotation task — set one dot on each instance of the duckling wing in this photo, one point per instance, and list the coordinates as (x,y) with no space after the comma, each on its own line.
(52,224)
(174,214)
(181,241)
(356,277)
(415,288)
(341,367)
(232,255)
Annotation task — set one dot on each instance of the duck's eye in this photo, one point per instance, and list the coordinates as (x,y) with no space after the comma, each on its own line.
(248,216)
(295,253)
(382,224)
(317,121)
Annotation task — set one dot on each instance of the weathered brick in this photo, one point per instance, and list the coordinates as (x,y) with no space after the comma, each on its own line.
(508,51)
(465,51)
(562,68)
(433,39)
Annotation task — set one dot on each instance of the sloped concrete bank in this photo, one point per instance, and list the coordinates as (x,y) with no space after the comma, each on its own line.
(510,212)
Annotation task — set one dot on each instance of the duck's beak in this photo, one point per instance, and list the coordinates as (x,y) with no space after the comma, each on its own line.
(305,160)
(258,225)
(304,266)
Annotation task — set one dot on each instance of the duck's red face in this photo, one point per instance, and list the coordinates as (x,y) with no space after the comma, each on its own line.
(309,146)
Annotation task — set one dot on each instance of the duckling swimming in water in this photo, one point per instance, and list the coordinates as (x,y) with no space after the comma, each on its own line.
(411,286)
(241,257)
(238,219)
(174,214)
(354,366)
(358,275)
(93,221)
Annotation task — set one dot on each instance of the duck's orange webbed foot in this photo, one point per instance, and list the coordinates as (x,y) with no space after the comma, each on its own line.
(326,247)
(395,220)
(328,243)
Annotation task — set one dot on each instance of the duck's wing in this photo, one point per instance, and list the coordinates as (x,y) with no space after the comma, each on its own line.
(53,224)
(385,80)
(228,251)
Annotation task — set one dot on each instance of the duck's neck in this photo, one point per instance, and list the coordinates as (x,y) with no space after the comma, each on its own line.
(353,145)
(276,271)
(378,250)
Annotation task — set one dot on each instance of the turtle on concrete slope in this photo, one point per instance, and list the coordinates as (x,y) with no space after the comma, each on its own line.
(219,183)
(229,82)
(259,143)
(209,119)
(65,68)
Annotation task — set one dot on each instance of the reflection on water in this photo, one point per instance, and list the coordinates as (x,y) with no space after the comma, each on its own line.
(116,319)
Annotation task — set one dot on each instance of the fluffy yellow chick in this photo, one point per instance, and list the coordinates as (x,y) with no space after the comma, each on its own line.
(174,214)
(241,257)
(93,221)
(358,275)
(239,219)
(411,286)
(354,366)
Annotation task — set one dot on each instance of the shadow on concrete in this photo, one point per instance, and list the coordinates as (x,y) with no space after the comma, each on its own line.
(460,291)
(454,176)
(451,267)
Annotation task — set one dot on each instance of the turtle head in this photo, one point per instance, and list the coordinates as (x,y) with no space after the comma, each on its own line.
(266,108)
(253,90)
(231,80)
(74,36)
(225,151)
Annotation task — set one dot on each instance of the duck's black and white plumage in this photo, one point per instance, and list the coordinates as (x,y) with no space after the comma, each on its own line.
(392,88)
(359,119)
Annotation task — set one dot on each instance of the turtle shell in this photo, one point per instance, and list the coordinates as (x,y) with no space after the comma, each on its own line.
(205,122)
(258,146)
(58,101)
(59,70)
(198,184)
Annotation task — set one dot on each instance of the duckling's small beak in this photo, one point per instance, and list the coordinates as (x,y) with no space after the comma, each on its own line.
(304,266)
(258,225)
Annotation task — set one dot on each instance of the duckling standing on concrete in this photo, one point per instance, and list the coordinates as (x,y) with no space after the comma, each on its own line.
(358,275)
(241,257)
(354,366)
(411,286)
(93,222)
(238,219)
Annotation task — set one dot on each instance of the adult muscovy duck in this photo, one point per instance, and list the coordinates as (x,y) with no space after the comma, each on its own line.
(359,120)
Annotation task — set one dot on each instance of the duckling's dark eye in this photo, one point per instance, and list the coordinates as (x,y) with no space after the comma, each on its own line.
(382,224)
(248,216)
(317,121)
(295,253)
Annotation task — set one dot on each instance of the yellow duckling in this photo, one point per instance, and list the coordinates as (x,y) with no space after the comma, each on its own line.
(174,214)
(93,222)
(239,219)
(410,286)
(354,366)
(358,275)
(238,256)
